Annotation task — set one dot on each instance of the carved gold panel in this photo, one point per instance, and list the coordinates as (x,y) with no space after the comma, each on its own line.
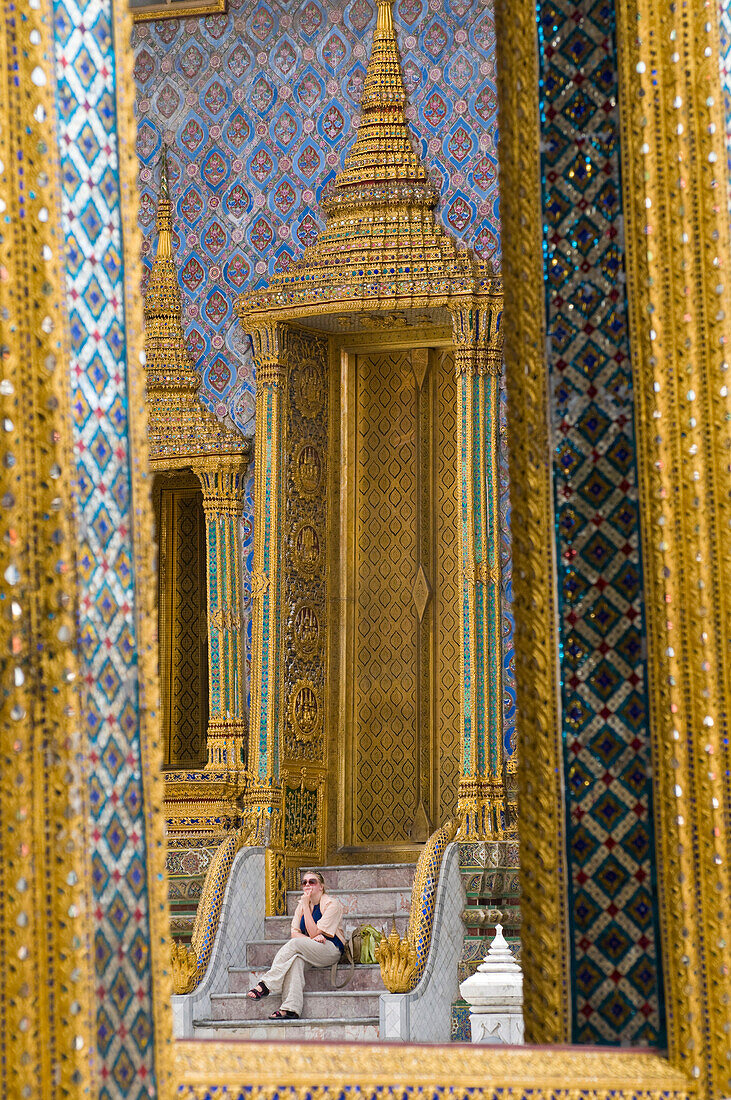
(304,612)
(397,649)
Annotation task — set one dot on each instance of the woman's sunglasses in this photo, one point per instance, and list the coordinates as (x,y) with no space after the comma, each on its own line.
(310,881)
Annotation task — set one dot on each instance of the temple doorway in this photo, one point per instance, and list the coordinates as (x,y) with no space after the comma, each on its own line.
(394,770)
(182,619)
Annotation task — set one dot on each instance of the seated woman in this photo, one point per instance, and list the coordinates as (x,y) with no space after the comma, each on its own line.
(317,938)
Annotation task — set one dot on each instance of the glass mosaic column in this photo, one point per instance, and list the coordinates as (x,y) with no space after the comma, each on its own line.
(482,808)
(263,798)
(223,503)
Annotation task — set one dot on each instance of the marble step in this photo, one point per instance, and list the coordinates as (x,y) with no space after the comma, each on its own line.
(382,900)
(321,1030)
(241,979)
(367,876)
(348,1005)
(278,928)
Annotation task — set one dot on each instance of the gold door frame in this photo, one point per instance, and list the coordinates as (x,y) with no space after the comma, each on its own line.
(680,118)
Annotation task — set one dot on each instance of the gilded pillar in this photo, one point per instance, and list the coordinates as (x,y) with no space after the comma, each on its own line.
(223,481)
(482,809)
(262,816)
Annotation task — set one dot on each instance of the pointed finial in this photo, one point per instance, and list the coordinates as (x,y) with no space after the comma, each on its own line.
(164,181)
(164,220)
(164,343)
(384,24)
(382,149)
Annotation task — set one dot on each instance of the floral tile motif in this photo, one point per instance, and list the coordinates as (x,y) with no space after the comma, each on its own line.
(616,976)
(259,106)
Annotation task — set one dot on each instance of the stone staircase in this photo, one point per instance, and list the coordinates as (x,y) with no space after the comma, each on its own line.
(375,894)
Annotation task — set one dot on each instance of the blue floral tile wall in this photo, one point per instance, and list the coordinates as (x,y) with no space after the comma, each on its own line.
(258,107)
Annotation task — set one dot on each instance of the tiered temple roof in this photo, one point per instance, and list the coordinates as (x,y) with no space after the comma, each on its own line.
(180,427)
(382,248)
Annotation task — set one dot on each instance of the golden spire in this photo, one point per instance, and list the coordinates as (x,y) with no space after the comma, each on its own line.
(168,362)
(382,248)
(382,149)
(179,427)
(164,219)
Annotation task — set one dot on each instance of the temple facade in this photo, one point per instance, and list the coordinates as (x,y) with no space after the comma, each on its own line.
(377,714)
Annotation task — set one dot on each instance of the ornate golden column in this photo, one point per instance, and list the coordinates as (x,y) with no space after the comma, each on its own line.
(262,816)
(482,808)
(223,481)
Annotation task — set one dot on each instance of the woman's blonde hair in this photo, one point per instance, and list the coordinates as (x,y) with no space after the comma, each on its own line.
(317,874)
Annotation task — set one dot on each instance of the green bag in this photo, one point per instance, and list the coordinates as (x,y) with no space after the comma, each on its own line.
(370,937)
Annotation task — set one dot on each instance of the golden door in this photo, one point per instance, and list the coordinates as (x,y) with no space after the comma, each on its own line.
(394,745)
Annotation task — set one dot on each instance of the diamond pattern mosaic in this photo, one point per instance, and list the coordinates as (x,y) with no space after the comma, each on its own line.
(616,979)
(91,223)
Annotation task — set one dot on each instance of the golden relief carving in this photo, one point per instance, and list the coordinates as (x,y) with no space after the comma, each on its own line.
(306,544)
(302,813)
(306,629)
(309,393)
(305,711)
(307,469)
(304,598)
(543,885)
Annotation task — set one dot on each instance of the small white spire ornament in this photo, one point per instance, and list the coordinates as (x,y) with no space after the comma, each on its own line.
(495,995)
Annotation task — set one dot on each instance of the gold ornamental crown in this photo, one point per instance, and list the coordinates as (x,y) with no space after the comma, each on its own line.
(382,247)
(179,427)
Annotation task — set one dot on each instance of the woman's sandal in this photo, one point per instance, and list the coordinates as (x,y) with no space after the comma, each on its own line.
(258,992)
(284,1014)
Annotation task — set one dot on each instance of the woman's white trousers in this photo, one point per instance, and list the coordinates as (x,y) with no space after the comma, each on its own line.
(287,973)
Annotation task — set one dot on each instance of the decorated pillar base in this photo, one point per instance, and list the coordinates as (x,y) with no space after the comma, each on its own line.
(227,748)
(261,819)
(482,809)
(199,812)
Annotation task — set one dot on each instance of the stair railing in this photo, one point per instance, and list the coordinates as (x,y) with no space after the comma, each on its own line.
(403,959)
(189,964)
